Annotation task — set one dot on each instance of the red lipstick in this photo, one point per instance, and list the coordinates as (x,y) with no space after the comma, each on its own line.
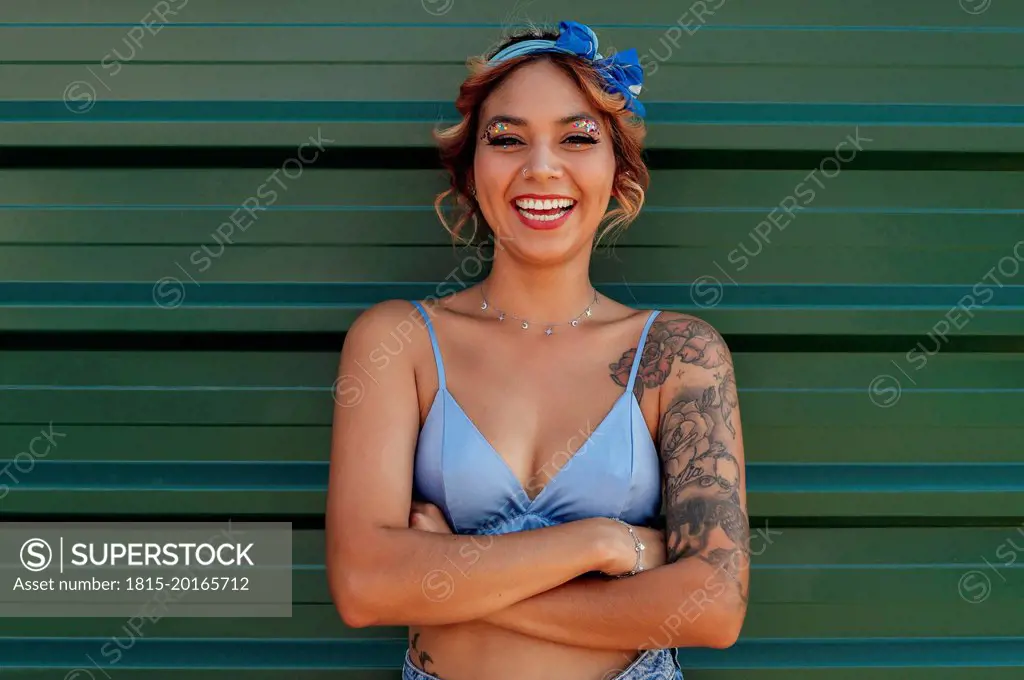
(535,215)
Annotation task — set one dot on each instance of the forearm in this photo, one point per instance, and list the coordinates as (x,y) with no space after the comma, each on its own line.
(687,604)
(406,577)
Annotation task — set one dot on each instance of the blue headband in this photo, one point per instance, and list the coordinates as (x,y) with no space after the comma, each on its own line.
(622,72)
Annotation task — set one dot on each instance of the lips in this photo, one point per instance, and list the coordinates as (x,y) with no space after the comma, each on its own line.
(543,212)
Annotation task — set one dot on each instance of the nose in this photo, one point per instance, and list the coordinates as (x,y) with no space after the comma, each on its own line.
(542,164)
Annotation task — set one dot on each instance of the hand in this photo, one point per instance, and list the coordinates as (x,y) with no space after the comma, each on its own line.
(428,517)
(654,552)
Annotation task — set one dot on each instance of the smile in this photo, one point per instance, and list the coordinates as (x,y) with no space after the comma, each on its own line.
(543,212)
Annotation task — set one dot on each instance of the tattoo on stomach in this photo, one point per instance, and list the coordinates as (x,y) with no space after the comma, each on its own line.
(422,657)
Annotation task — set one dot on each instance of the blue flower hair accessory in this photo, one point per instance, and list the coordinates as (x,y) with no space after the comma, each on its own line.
(622,73)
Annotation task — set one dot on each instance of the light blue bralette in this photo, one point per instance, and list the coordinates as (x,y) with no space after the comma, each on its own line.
(615,473)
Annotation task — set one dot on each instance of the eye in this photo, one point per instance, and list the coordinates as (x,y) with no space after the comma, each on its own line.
(580,139)
(504,142)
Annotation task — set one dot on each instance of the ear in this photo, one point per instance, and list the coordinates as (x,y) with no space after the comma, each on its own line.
(615,185)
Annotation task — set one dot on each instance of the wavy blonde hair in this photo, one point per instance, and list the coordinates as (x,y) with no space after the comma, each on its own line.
(457,143)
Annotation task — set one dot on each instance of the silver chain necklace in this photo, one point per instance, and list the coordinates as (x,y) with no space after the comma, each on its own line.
(549,328)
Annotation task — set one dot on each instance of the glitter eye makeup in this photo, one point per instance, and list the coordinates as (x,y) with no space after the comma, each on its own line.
(587,125)
(495,129)
(499,133)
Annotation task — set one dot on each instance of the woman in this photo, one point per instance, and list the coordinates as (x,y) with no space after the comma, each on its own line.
(495,488)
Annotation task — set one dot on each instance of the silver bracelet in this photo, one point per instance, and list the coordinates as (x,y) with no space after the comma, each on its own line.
(638,545)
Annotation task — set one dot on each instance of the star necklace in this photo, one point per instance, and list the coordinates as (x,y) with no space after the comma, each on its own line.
(549,328)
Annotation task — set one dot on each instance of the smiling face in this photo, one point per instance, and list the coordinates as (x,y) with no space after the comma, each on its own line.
(538,119)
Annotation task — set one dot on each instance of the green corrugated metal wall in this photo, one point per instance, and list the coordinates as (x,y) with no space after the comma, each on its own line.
(196,383)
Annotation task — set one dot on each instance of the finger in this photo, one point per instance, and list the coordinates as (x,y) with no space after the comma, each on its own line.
(431,510)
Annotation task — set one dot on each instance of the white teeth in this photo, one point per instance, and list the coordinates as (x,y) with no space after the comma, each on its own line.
(543,218)
(548,204)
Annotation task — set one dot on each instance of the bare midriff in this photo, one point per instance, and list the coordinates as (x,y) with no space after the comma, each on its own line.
(476,649)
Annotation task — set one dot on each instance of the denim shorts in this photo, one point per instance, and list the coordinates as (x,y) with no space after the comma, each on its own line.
(652,664)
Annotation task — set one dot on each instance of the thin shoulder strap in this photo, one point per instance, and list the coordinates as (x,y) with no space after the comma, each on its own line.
(640,350)
(433,342)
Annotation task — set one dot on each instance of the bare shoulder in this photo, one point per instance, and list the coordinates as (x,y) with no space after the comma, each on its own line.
(676,323)
(678,340)
(384,320)
(676,343)
(380,335)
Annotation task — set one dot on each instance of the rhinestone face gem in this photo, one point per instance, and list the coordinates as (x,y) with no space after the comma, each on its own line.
(501,317)
(483,305)
(525,325)
(586,125)
(548,331)
(495,129)
(575,322)
(588,312)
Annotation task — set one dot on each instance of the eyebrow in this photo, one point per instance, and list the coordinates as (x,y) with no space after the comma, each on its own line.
(512,120)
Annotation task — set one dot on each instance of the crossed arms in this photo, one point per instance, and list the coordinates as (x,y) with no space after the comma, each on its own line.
(379,568)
